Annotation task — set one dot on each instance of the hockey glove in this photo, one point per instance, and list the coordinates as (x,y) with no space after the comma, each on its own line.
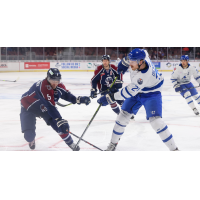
(115,88)
(106,99)
(123,65)
(178,88)
(62,125)
(84,99)
(93,93)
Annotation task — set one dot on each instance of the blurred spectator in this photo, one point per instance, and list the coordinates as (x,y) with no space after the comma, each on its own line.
(185,49)
(154,55)
(197,55)
(3,50)
(93,53)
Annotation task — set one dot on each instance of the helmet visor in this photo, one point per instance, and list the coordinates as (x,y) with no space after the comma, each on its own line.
(55,80)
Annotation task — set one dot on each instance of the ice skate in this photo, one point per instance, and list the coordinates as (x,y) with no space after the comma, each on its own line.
(72,147)
(111,147)
(32,145)
(196,112)
(132,117)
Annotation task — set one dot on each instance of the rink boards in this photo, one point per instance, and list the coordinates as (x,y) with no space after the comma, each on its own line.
(88,66)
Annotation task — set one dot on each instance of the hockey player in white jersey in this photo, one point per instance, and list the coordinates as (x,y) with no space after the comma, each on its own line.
(145,89)
(181,79)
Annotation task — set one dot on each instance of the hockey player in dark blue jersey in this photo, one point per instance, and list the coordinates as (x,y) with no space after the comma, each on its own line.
(103,77)
(40,101)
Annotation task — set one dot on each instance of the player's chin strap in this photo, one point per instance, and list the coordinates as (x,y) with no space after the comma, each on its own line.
(140,65)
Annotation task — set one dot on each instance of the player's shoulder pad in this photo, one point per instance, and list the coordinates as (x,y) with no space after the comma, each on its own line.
(62,86)
(179,67)
(46,87)
(113,66)
(62,89)
(47,91)
(99,68)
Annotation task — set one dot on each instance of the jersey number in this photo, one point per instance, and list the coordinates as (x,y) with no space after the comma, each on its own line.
(135,88)
(49,97)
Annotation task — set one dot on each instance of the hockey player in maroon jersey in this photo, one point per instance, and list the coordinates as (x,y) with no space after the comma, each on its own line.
(103,77)
(40,101)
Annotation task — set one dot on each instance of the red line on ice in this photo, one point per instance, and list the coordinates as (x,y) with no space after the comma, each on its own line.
(24,144)
(76,120)
(53,145)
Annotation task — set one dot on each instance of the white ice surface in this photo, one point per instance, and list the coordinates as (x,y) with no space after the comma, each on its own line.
(138,136)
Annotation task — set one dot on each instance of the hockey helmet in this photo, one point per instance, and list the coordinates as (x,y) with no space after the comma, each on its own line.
(53,74)
(137,55)
(105,57)
(185,57)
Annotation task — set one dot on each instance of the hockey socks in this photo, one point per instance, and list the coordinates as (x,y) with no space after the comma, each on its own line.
(162,130)
(115,108)
(67,138)
(197,98)
(189,100)
(120,124)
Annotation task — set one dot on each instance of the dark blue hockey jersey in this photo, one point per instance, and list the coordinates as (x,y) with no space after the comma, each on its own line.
(104,78)
(41,97)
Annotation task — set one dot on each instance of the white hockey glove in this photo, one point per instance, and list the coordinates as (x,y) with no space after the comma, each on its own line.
(125,61)
(177,88)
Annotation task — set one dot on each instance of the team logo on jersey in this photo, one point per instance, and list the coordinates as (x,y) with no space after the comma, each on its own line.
(48,87)
(43,108)
(109,81)
(56,92)
(102,74)
(111,73)
(140,81)
(153,112)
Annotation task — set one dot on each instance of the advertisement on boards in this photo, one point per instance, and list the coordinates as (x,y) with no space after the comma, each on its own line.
(3,65)
(67,65)
(37,65)
(156,64)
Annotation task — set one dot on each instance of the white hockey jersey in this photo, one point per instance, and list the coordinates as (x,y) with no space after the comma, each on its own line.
(183,76)
(145,81)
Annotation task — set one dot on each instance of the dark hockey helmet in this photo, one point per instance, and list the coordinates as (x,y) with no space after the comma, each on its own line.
(53,74)
(105,57)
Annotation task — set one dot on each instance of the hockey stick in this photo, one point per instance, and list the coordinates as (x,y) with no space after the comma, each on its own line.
(191,88)
(62,105)
(92,118)
(86,141)
(88,126)
(11,81)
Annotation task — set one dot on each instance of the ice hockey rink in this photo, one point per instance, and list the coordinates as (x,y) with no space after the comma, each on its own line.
(138,136)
